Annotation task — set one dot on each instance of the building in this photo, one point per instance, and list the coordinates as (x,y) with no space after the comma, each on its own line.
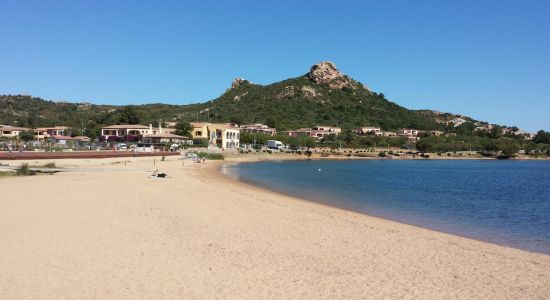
(40,134)
(410,134)
(11,131)
(389,133)
(219,135)
(64,139)
(368,131)
(259,128)
(298,132)
(457,121)
(328,129)
(407,132)
(315,132)
(163,138)
(125,133)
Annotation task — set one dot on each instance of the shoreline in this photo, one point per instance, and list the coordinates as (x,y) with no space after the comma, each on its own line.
(119,234)
(250,185)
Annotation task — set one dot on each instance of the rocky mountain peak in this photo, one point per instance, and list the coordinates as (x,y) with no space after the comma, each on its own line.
(238,82)
(326,72)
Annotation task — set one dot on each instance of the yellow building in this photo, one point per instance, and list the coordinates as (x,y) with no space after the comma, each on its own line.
(220,135)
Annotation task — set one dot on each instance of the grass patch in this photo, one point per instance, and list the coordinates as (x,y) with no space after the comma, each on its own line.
(210,156)
(6,173)
(23,170)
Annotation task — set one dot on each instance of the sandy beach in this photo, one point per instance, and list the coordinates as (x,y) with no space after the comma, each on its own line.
(104,230)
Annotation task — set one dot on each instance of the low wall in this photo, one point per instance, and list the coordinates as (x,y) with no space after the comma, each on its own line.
(4,155)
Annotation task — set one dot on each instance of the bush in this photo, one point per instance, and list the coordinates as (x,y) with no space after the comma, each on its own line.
(269,151)
(210,156)
(200,143)
(23,170)
(382,154)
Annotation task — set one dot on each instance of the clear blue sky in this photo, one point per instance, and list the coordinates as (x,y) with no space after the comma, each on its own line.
(486,59)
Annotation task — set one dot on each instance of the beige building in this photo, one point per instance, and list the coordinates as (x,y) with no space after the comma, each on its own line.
(126,130)
(327,129)
(11,131)
(43,133)
(369,130)
(407,132)
(317,132)
(259,128)
(220,135)
(163,138)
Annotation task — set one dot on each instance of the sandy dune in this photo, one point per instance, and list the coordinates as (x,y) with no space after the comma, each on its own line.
(109,232)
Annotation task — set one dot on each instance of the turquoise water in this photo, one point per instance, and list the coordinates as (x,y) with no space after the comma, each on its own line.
(504,202)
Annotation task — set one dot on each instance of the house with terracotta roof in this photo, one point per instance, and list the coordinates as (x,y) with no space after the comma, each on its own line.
(219,135)
(125,133)
(42,133)
(11,132)
(258,128)
(368,131)
(163,138)
(317,132)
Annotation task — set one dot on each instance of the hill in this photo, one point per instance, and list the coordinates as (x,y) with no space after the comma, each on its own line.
(321,96)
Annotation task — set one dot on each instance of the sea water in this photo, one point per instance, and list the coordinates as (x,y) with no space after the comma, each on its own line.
(504,202)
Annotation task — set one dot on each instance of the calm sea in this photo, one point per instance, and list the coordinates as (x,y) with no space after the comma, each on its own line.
(504,202)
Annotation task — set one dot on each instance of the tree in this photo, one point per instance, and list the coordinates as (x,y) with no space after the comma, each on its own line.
(271,122)
(426,145)
(92,132)
(542,137)
(26,135)
(236,120)
(467,128)
(130,115)
(184,129)
(348,137)
(293,143)
(508,146)
(496,132)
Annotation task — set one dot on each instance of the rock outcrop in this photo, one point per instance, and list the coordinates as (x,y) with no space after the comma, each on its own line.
(238,82)
(326,73)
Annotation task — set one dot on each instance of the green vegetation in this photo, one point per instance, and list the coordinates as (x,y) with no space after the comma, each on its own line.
(285,105)
(23,170)
(26,135)
(542,137)
(200,143)
(289,104)
(210,156)
(6,173)
(184,129)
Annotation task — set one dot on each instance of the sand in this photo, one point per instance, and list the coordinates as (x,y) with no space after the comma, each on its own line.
(106,231)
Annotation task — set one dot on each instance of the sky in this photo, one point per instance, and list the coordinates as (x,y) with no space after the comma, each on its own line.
(486,59)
